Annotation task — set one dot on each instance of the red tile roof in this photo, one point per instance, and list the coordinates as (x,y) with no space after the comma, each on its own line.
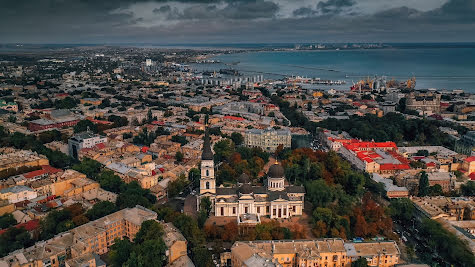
(234,118)
(386,167)
(99,121)
(29,226)
(470,159)
(100,146)
(44,169)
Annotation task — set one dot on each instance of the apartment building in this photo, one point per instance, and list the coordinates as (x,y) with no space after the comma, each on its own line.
(94,237)
(320,252)
(268,139)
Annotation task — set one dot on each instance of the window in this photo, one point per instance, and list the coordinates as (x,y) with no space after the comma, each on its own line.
(222,211)
(207,185)
(258,209)
(234,210)
(246,209)
(207,173)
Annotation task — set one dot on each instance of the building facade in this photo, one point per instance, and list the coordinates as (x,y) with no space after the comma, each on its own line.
(268,139)
(425,102)
(84,140)
(308,253)
(276,199)
(94,237)
(17,194)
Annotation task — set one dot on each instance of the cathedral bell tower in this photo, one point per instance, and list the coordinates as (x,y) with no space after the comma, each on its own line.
(207,180)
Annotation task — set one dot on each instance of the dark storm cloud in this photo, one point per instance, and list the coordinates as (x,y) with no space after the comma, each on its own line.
(304,12)
(334,6)
(162,9)
(49,21)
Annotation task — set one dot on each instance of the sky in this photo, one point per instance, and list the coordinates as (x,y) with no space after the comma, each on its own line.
(235,21)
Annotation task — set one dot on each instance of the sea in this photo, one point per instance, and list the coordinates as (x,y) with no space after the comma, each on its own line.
(434,67)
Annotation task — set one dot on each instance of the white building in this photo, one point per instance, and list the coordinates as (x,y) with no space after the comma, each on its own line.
(277,199)
(268,139)
(17,193)
(84,140)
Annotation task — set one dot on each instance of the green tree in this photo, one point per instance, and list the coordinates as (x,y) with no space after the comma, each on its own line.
(150,253)
(435,190)
(13,239)
(402,209)
(468,189)
(110,181)
(84,125)
(223,149)
(120,252)
(100,210)
(205,204)
(194,176)
(202,257)
(179,156)
(175,187)
(149,230)
(149,116)
(7,220)
(50,136)
(132,194)
(91,168)
(423,184)
(237,138)
(361,262)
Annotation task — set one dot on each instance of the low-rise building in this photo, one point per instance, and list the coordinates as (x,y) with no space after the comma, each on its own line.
(11,158)
(374,157)
(319,252)
(17,193)
(392,190)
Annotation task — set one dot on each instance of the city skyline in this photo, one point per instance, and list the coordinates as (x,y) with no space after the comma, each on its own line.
(242,21)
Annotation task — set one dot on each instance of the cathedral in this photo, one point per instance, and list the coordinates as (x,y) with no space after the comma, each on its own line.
(276,199)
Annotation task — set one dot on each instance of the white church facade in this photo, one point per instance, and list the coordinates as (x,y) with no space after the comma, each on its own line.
(276,199)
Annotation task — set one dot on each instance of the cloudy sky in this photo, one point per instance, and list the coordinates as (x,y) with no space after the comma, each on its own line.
(236,21)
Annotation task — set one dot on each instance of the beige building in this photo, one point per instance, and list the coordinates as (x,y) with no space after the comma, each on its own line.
(320,252)
(268,139)
(14,158)
(425,102)
(94,237)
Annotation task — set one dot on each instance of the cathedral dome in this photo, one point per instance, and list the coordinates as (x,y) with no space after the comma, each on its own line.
(276,171)
(245,189)
(244,178)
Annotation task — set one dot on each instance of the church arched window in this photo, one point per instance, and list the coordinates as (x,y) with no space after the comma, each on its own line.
(207,185)
(207,173)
